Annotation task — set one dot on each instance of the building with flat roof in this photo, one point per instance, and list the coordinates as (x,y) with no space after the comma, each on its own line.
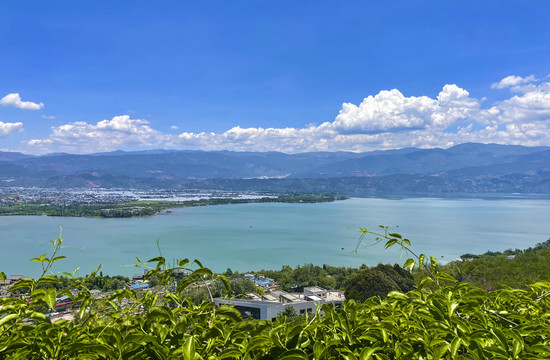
(267,310)
(269,306)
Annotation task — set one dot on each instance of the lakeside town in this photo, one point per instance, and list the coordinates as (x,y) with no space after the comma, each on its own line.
(265,300)
(54,196)
(109,203)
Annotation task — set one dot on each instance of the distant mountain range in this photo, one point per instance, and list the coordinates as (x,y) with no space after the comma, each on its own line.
(467,168)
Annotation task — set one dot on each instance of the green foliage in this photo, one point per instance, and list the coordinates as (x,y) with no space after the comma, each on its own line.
(516,269)
(295,279)
(369,283)
(452,320)
(378,281)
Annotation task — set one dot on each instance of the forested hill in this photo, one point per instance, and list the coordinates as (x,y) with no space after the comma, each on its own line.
(463,168)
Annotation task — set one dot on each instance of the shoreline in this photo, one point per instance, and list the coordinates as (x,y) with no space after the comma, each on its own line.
(147,208)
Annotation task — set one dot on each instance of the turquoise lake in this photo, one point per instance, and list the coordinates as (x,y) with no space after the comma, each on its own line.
(267,236)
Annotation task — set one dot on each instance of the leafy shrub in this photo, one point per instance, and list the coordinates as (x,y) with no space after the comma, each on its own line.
(454,320)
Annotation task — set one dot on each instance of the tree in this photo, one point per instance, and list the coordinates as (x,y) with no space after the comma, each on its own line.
(369,283)
(260,290)
(403,278)
(289,311)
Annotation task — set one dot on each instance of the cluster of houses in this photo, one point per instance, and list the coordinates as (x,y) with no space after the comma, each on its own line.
(68,196)
(266,304)
(261,281)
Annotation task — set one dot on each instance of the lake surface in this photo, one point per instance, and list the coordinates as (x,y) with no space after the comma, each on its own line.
(267,236)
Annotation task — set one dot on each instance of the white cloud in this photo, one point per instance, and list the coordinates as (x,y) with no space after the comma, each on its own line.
(386,120)
(106,135)
(51,117)
(8,128)
(513,81)
(392,111)
(174,127)
(14,99)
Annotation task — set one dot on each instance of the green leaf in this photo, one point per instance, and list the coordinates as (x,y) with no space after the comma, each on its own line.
(198,263)
(57,258)
(189,349)
(421,260)
(8,318)
(366,354)
(501,338)
(397,295)
(100,349)
(2,276)
(433,262)
(258,342)
(390,243)
(22,284)
(172,297)
(84,306)
(38,316)
(50,297)
(439,350)
(158,259)
(225,283)
(48,279)
(38,294)
(229,312)
(444,276)
(395,235)
(409,264)
(183,262)
(294,354)
(202,271)
(159,313)
(541,349)
(517,342)
(455,345)
(230,353)
(182,285)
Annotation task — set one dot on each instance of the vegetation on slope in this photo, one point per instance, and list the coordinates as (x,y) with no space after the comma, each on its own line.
(511,268)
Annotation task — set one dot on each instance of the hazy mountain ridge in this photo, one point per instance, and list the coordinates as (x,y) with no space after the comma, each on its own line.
(464,168)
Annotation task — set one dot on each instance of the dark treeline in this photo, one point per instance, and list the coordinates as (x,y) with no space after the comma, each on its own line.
(295,279)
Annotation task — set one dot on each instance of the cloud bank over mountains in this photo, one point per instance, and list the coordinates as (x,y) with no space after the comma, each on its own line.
(387,120)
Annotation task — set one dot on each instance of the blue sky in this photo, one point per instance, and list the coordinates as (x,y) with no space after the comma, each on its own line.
(289,76)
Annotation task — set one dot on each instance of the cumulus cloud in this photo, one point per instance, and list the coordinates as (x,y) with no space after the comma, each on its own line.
(107,135)
(392,111)
(14,99)
(387,120)
(513,80)
(516,83)
(8,128)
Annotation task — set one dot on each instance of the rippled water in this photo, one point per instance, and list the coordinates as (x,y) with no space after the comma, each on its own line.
(255,236)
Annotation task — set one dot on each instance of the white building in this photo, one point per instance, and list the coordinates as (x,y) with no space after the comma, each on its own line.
(269,306)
